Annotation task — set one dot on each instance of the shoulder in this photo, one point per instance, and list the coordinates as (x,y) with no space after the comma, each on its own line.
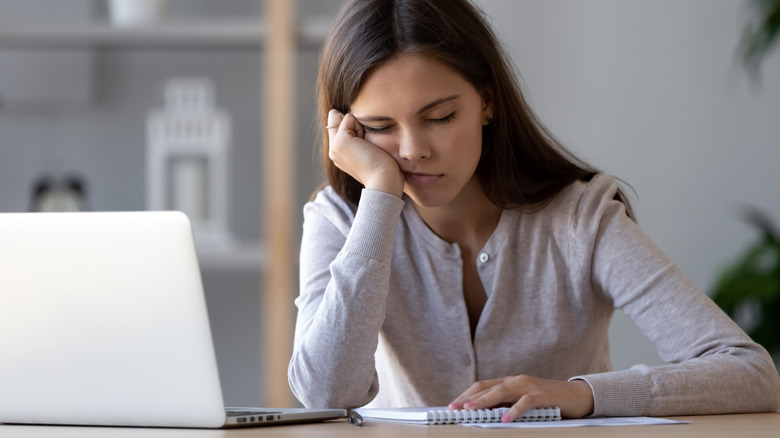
(328,198)
(587,206)
(328,206)
(585,198)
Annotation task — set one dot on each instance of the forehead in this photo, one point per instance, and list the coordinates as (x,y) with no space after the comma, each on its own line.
(409,80)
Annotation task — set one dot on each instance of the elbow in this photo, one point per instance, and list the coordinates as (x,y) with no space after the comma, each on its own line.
(772,397)
(775,391)
(766,394)
(326,391)
(315,396)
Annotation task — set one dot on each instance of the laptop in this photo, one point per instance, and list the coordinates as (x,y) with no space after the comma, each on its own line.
(103,322)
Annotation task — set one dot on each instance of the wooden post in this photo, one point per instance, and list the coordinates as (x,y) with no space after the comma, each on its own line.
(278,188)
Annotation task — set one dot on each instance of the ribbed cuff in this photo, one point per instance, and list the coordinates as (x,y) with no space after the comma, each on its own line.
(375,222)
(620,393)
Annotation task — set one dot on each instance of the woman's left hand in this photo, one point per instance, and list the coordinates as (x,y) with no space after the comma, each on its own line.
(523,393)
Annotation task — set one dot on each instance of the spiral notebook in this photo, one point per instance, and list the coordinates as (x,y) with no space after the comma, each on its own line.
(440,415)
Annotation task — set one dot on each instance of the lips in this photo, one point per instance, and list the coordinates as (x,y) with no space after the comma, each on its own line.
(421,178)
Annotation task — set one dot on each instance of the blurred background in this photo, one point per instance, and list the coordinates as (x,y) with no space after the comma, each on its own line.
(653,92)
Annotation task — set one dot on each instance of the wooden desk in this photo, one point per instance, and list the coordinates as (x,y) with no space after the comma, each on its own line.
(711,426)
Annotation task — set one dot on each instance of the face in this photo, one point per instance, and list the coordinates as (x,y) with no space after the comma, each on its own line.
(429,119)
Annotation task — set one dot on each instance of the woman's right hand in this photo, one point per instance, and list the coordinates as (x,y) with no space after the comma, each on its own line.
(361,159)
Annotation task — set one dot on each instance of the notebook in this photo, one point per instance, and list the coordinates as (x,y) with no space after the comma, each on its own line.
(103,321)
(440,415)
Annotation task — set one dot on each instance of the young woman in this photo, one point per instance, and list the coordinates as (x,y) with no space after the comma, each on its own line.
(460,256)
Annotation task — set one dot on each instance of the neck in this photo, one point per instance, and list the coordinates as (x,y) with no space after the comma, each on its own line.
(468,220)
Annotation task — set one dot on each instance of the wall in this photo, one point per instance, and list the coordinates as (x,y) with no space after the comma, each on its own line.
(650,91)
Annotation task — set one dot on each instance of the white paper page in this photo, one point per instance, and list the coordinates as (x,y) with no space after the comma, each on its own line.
(607,421)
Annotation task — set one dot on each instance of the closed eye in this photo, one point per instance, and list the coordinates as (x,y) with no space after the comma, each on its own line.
(384,129)
(370,130)
(443,120)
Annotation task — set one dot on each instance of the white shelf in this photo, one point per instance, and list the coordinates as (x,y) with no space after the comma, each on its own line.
(228,33)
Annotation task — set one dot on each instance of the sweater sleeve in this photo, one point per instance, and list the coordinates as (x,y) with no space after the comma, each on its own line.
(712,366)
(344,281)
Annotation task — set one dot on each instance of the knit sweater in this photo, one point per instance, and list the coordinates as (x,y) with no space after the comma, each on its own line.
(382,319)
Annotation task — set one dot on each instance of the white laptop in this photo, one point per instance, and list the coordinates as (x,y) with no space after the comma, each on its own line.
(103,322)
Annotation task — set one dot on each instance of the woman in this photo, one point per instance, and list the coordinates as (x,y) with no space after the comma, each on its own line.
(460,256)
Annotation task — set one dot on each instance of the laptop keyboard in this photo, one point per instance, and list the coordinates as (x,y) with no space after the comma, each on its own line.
(243,412)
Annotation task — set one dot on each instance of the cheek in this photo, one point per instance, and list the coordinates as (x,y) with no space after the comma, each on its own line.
(383,141)
(467,140)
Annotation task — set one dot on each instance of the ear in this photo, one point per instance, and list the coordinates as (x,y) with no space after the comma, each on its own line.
(487,106)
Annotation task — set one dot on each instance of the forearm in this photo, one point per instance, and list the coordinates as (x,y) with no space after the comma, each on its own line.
(714,384)
(333,360)
(342,308)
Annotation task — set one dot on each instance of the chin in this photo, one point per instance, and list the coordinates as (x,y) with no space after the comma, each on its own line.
(427,200)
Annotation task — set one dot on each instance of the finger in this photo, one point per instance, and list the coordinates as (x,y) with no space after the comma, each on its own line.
(350,124)
(525,404)
(334,121)
(474,391)
(504,392)
(469,394)
(489,398)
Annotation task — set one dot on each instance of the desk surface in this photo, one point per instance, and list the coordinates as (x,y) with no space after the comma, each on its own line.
(709,426)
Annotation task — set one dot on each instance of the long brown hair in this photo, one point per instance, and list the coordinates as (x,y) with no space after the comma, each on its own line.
(522,164)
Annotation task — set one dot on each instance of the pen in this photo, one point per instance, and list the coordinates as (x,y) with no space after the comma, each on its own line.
(355,418)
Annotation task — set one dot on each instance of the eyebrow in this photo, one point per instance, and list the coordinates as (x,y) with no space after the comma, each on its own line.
(425,108)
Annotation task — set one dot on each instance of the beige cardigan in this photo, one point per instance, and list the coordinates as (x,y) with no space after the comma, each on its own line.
(382,318)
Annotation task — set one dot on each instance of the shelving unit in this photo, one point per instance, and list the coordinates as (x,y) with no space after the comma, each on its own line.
(249,34)
(276,39)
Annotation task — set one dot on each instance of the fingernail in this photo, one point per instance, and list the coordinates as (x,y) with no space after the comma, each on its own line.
(506,418)
(469,404)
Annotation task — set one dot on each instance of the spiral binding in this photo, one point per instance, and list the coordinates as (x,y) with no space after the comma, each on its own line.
(490,415)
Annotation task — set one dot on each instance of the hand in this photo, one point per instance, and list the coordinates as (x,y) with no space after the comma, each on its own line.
(575,398)
(361,159)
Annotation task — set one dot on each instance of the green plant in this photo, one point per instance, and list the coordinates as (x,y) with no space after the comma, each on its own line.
(761,33)
(749,289)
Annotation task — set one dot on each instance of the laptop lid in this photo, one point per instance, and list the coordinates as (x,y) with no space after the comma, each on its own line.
(103,322)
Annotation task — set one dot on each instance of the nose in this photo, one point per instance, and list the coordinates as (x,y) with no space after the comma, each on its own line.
(414,147)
